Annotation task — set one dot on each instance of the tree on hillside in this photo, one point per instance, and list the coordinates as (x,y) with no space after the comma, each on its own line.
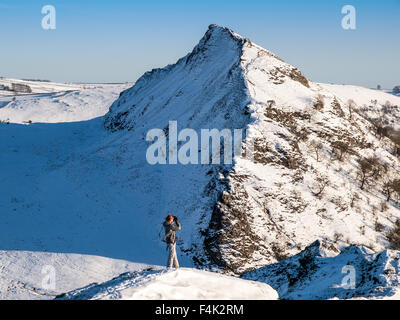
(391,186)
(340,149)
(351,105)
(319,102)
(393,236)
(382,130)
(318,147)
(370,168)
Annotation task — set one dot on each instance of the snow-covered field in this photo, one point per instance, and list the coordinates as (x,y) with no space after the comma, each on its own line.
(54,103)
(40,87)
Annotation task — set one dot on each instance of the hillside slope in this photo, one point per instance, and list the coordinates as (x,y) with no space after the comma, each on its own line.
(304,182)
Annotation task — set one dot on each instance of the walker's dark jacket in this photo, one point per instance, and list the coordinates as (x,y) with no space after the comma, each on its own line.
(170,228)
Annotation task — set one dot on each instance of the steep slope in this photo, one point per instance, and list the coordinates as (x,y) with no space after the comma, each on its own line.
(181,284)
(315,273)
(304,181)
(204,90)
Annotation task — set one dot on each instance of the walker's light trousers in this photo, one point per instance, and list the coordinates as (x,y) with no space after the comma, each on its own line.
(172,257)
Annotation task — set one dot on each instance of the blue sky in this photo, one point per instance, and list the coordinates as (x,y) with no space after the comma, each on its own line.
(116,41)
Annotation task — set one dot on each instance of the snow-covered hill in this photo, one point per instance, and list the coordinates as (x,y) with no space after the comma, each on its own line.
(76,180)
(53,102)
(309,138)
(37,87)
(180,284)
(44,275)
(374,105)
(317,273)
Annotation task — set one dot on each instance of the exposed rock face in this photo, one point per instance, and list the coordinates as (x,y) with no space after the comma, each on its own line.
(303,182)
(230,219)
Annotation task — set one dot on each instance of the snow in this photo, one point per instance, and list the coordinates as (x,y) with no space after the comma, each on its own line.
(296,216)
(29,275)
(197,97)
(72,187)
(74,177)
(81,103)
(39,87)
(179,284)
(317,274)
(362,96)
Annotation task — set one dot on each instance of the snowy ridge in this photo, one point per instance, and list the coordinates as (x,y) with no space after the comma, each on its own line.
(188,91)
(316,273)
(197,96)
(260,212)
(181,284)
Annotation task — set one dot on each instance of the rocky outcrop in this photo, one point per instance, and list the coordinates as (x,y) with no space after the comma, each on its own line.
(318,272)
